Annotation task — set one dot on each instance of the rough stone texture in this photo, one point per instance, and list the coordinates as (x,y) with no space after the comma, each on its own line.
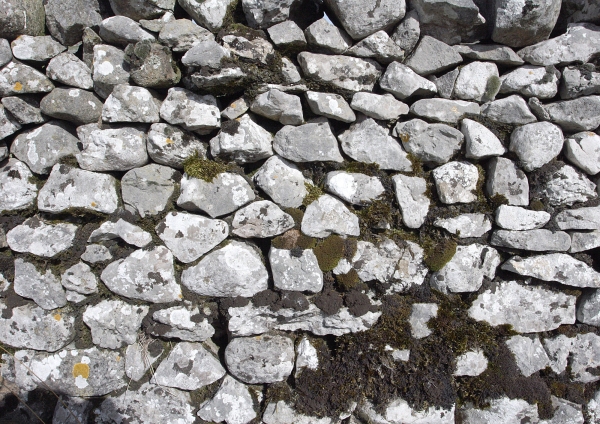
(148,190)
(17,78)
(411,197)
(529,354)
(536,144)
(313,141)
(73,105)
(587,218)
(480,142)
(330,106)
(361,19)
(540,240)
(444,110)
(531,81)
(38,238)
(17,192)
(80,278)
(141,9)
(122,30)
(582,114)
(24,110)
(71,410)
(96,253)
(432,56)
(210,14)
(287,34)
(152,65)
(109,69)
(130,104)
(510,110)
(293,272)
(8,124)
(497,53)
(583,150)
(232,403)
(378,46)
(5,52)
(517,218)
(247,142)
(139,357)
(581,242)
(465,225)
(182,34)
(503,410)
(36,49)
(505,179)
(182,322)
(471,363)
(171,146)
(67,19)
(566,187)
(456,182)
(326,37)
(421,313)
(21,17)
(44,288)
(588,310)
(261,219)
(193,112)
(433,144)
(355,188)
(327,215)
(129,233)
(282,181)
(403,82)
(66,68)
(281,413)
(114,323)
(376,106)
(579,81)
(477,81)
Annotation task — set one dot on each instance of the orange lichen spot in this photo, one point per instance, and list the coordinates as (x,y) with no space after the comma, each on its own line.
(454,109)
(57,317)
(81,369)
(118,358)
(94,204)
(180,296)
(404,137)
(18,86)
(169,141)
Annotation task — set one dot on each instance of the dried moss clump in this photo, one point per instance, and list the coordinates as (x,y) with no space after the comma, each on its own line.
(332,249)
(438,252)
(377,215)
(203,169)
(293,239)
(313,193)
(348,281)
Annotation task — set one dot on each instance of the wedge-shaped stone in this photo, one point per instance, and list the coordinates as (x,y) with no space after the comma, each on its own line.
(129,233)
(36,237)
(465,225)
(579,219)
(403,82)
(244,142)
(313,141)
(444,110)
(261,219)
(327,215)
(232,403)
(516,218)
(16,78)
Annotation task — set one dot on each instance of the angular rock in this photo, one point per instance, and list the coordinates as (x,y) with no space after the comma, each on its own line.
(369,142)
(206,54)
(171,146)
(253,49)
(497,53)
(152,65)
(566,187)
(182,322)
(471,363)
(585,358)
(330,105)
(24,109)
(456,182)
(376,106)
(260,359)
(588,310)
(261,219)
(324,36)
(80,278)
(141,9)
(72,104)
(480,142)
(583,150)
(236,108)
(180,35)
(67,19)
(558,267)
(233,270)
(420,315)
(297,272)
(21,17)
(355,188)
(38,238)
(565,411)
(148,190)
(287,34)
(282,181)
(478,81)
(129,233)
(327,215)
(5,52)
(433,144)
(527,309)
(510,110)
(403,82)
(411,197)
(111,148)
(289,71)
(114,323)
(579,81)
(407,33)
(517,218)
(582,114)
(444,110)
(558,349)
(378,46)
(529,354)
(346,73)
(210,14)
(36,49)
(399,411)
(96,253)
(89,40)
(224,79)
(8,124)
(243,141)
(310,142)
(266,14)
(226,193)
(445,83)
(282,413)
(16,78)
(432,56)
(68,69)
(139,357)
(16,190)
(30,327)
(145,275)
(361,19)
(109,69)
(505,179)
(72,410)
(502,410)
(45,289)
(581,242)
(531,81)
(122,30)
(131,104)
(465,225)
(193,112)
(540,240)
(232,403)
(579,219)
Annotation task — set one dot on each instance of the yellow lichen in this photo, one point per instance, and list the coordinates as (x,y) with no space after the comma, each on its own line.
(18,86)
(57,317)
(81,369)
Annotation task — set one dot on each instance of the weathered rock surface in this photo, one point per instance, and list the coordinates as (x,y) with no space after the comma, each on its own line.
(38,238)
(261,219)
(148,190)
(456,182)
(539,240)
(246,142)
(566,187)
(411,197)
(470,363)
(282,181)
(582,114)
(73,105)
(360,19)
(330,106)
(588,310)
(403,82)
(430,143)
(376,106)
(36,49)
(24,110)
(378,46)
(579,81)
(171,146)
(139,357)
(17,78)
(419,317)
(505,179)
(353,187)
(477,81)
(279,106)
(432,56)
(327,215)
(510,110)
(326,37)
(182,322)
(517,218)
(444,110)
(529,354)
(67,19)
(295,272)
(109,69)
(114,323)
(501,410)
(536,144)
(80,278)
(587,218)
(313,141)
(465,225)
(192,111)
(583,150)
(531,81)
(131,104)
(129,233)
(44,288)
(66,68)
(16,190)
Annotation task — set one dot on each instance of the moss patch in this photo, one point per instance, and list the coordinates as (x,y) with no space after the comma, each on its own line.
(332,249)
(313,193)
(438,251)
(204,169)
(348,281)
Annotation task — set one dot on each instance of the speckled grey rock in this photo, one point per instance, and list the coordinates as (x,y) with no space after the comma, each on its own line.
(111,148)
(501,410)
(419,317)
(376,106)
(510,110)
(433,144)
(287,34)
(16,190)
(282,181)
(38,238)
(324,36)
(226,193)
(30,327)
(445,83)
(8,124)
(327,215)
(410,194)
(347,73)
(114,323)
(96,253)
(478,81)
(24,109)
(122,30)
(236,108)
(80,278)
(584,358)
(17,78)
(497,53)
(506,179)
(378,46)
(244,142)
(72,104)
(210,14)
(141,9)
(193,112)
(465,225)
(206,54)
(171,146)
(587,218)
(580,242)
(131,104)
(44,288)
(582,114)
(67,19)
(456,182)
(579,81)
(109,69)
(583,149)
(531,81)
(517,218)
(536,144)
(558,267)
(527,309)
(233,270)
(480,142)
(68,69)
(467,269)
(529,353)
(182,34)
(36,49)
(444,110)
(261,219)
(471,363)
(183,322)
(226,77)
(260,359)
(152,65)
(129,233)
(566,187)
(313,141)
(432,56)
(232,403)
(403,82)
(540,240)
(145,275)
(265,14)
(355,188)
(139,357)
(330,105)
(361,19)
(293,271)
(588,310)
(148,190)
(5,52)
(407,32)
(21,17)
(253,49)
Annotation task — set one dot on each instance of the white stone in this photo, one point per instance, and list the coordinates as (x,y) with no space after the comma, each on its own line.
(529,354)
(419,317)
(327,215)
(517,218)
(355,188)
(456,182)
(477,81)
(465,225)
(480,142)
(414,203)
(36,237)
(471,364)
(293,271)
(282,181)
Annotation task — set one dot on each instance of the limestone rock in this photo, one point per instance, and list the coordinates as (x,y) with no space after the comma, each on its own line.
(497,53)
(67,19)
(410,194)
(403,82)
(36,49)
(456,182)
(330,106)
(355,188)
(480,142)
(21,17)
(587,218)
(517,218)
(471,363)
(152,65)
(282,413)
(141,9)
(24,110)
(71,410)
(171,146)
(531,81)
(148,190)
(378,46)
(17,78)
(566,187)
(282,181)
(8,124)
(5,52)
(361,19)
(96,253)
(407,33)
(477,81)
(38,238)
(444,110)
(420,315)
(16,190)
(505,179)
(327,215)
(122,30)
(501,410)
(313,141)
(588,310)
(510,110)
(232,403)
(180,35)
(529,354)
(44,288)
(68,69)
(192,111)
(182,322)
(292,271)
(73,105)
(582,114)
(261,219)
(306,356)
(432,56)
(287,34)
(265,14)
(585,357)
(583,150)
(430,143)
(109,69)
(130,104)
(579,81)
(80,278)
(139,357)
(465,225)
(114,323)
(376,106)
(129,233)
(210,14)
(244,142)
(540,240)
(326,37)
(581,242)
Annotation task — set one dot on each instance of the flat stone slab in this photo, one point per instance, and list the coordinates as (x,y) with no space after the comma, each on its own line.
(376,106)
(586,218)
(465,225)
(261,219)
(566,187)
(310,142)
(44,288)
(38,238)
(327,215)
(540,240)
(17,78)
(353,187)
(182,322)
(331,106)
(529,354)
(297,271)
(432,144)
(444,110)
(518,218)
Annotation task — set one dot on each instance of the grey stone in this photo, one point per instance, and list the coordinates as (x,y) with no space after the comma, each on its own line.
(527,309)
(141,9)
(281,413)
(585,357)
(465,225)
(109,69)
(72,104)
(588,310)
(411,197)
(68,69)
(467,269)
(497,53)
(180,35)
(96,253)
(24,109)
(480,142)
(44,288)
(36,49)
(152,65)
(265,14)
(531,81)
(506,179)
(444,110)
(579,81)
(226,193)
(206,53)
(114,323)
(287,34)
(587,218)
(192,111)
(403,82)
(171,146)
(327,215)
(8,124)
(129,233)
(21,17)
(379,46)
(558,349)
(324,36)
(149,404)
(225,79)
(433,144)
(145,275)
(295,272)
(80,278)
(236,108)
(536,144)
(67,19)
(30,327)
(445,83)
(539,240)
(567,187)
(330,105)
(361,19)
(279,106)
(420,315)
(517,218)
(5,52)
(111,148)
(72,372)
(583,150)
(580,43)
(581,242)
(456,182)
(478,81)
(232,403)
(233,270)
(16,190)
(407,32)
(471,363)
(502,410)
(89,40)
(369,142)
(254,49)
(582,114)
(210,14)
(71,410)
(518,25)
(565,412)
(558,267)
(310,142)
(376,106)
(282,181)
(131,104)
(122,30)
(261,359)
(17,78)
(432,56)
(183,322)
(355,188)
(38,238)
(148,190)
(346,73)
(510,110)
(261,219)
(3,151)
(140,356)
(593,407)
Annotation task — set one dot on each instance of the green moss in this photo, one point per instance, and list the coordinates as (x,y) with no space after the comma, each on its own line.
(348,281)
(376,215)
(438,251)
(332,249)
(313,193)
(70,160)
(417,165)
(370,169)
(497,200)
(399,234)
(492,88)
(537,205)
(295,241)
(204,169)
(297,214)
